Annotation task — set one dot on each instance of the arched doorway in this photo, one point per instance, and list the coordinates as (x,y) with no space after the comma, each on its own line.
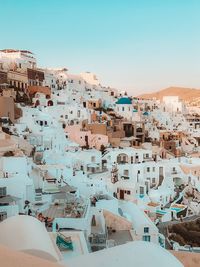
(50,103)
(37,103)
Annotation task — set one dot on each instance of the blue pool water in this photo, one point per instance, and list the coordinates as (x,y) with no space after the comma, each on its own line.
(176,209)
(162,212)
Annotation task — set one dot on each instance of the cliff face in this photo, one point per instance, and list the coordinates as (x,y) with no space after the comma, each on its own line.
(186,94)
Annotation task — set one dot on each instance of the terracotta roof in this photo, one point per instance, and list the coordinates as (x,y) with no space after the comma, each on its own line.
(39,89)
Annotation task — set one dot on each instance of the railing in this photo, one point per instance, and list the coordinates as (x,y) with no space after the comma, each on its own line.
(187,248)
(122,162)
(6,175)
(125,177)
(10,210)
(98,171)
(174,172)
(148,159)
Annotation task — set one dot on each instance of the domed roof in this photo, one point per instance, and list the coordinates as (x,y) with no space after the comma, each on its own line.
(124,101)
(135,253)
(27,234)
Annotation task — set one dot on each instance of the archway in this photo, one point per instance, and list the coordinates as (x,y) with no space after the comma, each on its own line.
(50,103)
(37,103)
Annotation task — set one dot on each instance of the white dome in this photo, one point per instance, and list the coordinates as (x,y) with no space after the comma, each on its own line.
(27,234)
(132,254)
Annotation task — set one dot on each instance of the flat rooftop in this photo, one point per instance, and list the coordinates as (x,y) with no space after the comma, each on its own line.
(66,210)
(120,237)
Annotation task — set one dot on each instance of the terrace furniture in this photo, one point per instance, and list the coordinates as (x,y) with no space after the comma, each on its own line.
(64,242)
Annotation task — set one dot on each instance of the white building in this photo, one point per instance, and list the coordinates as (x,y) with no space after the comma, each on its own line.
(17,60)
(172,104)
(124,107)
(90,78)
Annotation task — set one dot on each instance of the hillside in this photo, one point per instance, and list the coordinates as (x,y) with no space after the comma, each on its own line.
(186,94)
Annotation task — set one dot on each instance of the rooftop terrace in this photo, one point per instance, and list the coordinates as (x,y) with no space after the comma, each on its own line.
(75,208)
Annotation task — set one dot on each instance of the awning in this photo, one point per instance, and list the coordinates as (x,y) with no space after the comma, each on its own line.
(93,165)
(67,189)
(59,196)
(8,199)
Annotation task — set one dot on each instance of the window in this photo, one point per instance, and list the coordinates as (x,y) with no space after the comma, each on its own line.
(154,169)
(3,191)
(124,159)
(93,158)
(126,173)
(148,169)
(153,180)
(128,192)
(146,230)
(146,238)
(141,190)
(3,216)
(131,159)
(122,108)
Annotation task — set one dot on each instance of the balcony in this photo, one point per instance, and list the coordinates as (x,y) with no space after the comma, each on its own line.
(148,159)
(125,177)
(6,175)
(122,162)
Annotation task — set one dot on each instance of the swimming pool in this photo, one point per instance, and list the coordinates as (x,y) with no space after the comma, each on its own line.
(161,212)
(176,209)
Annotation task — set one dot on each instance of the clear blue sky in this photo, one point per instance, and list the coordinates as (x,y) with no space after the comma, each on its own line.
(137,45)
